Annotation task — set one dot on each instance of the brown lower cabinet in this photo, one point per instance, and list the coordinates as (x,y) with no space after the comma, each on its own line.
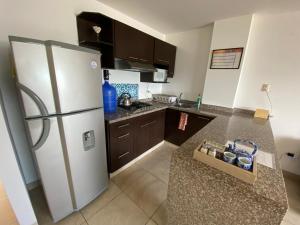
(130,138)
(194,124)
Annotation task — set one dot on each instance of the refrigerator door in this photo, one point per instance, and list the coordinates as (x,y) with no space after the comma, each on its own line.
(77,72)
(85,143)
(32,71)
(48,150)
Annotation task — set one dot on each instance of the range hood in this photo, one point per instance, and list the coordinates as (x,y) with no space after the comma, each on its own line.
(121,64)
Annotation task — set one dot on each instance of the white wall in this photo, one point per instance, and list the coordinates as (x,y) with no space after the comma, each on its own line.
(273,57)
(221,84)
(12,180)
(191,62)
(41,19)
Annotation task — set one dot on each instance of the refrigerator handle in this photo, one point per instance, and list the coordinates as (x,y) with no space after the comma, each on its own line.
(44,112)
(40,104)
(44,135)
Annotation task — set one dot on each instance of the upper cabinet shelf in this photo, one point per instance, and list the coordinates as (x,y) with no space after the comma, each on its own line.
(164,56)
(118,40)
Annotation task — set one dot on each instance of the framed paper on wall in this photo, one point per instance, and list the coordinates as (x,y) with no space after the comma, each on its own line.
(229,58)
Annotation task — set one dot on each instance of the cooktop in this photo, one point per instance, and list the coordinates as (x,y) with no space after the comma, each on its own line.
(136,106)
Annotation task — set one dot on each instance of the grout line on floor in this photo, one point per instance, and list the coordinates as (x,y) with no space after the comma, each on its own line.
(156,212)
(103,206)
(83,217)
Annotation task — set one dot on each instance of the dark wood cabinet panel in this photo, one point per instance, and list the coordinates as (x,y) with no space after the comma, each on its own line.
(133,44)
(120,144)
(157,129)
(164,56)
(88,38)
(149,131)
(195,123)
(128,139)
(118,40)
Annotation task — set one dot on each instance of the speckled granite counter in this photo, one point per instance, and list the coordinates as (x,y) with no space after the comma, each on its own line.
(123,114)
(199,194)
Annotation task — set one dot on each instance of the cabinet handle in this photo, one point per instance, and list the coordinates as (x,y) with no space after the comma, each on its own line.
(124,125)
(204,118)
(147,124)
(135,58)
(131,57)
(120,156)
(166,61)
(144,60)
(125,135)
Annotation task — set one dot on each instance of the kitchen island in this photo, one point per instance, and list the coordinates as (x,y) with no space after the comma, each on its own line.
(199,194)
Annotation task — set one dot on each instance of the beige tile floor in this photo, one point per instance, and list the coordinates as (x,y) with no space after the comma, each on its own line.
(137,196)
(7,216)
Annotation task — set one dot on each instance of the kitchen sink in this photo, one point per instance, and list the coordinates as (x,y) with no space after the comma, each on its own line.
(183,105)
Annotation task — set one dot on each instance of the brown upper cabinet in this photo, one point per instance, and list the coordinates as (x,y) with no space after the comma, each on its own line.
(164,56)
(133,44)
(118,40)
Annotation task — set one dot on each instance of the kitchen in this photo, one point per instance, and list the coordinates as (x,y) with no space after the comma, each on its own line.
(152,152)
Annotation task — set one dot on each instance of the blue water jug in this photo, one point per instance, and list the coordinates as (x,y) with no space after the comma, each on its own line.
(109,95)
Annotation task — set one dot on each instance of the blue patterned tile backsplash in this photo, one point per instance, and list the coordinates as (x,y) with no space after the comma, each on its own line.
(132,89)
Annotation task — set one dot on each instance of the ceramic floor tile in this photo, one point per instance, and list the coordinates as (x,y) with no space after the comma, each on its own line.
(148,192)
(128,176)
(101,201)
(74,219)
(160,216)
(43,214)
(120,211)
(40,206)
(292,183)
(2,191)
(158,162)
(151,222)
(7,215)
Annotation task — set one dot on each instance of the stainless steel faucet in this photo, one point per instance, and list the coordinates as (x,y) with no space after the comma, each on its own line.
(178,99)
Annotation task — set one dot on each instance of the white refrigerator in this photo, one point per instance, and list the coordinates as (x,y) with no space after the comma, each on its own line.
(60,89)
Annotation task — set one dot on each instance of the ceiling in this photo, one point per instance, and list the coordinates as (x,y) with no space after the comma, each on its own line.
(169,16)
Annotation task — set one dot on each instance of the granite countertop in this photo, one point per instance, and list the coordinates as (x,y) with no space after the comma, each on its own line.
(265,202)
(194,186)
(123,114)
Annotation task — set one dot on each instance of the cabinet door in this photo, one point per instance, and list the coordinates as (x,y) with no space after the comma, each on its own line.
(195,123)
(149,131)
(157,128)
(133,44)
(164,55)
(141,142)
(172,133)
(120,144)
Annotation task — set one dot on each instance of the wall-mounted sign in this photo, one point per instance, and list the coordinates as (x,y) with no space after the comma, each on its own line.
(226,58)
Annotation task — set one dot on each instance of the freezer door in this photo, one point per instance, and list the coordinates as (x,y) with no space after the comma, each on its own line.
(85,142)
(45,137)
(31,67)
(78,78)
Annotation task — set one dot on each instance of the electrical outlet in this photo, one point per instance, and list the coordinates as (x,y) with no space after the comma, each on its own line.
(266,87)
(292,155)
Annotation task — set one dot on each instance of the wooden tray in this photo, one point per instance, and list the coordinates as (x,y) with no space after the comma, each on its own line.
(233,170)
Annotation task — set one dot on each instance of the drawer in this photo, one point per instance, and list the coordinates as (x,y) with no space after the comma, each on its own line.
(121,151)
(121,128)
